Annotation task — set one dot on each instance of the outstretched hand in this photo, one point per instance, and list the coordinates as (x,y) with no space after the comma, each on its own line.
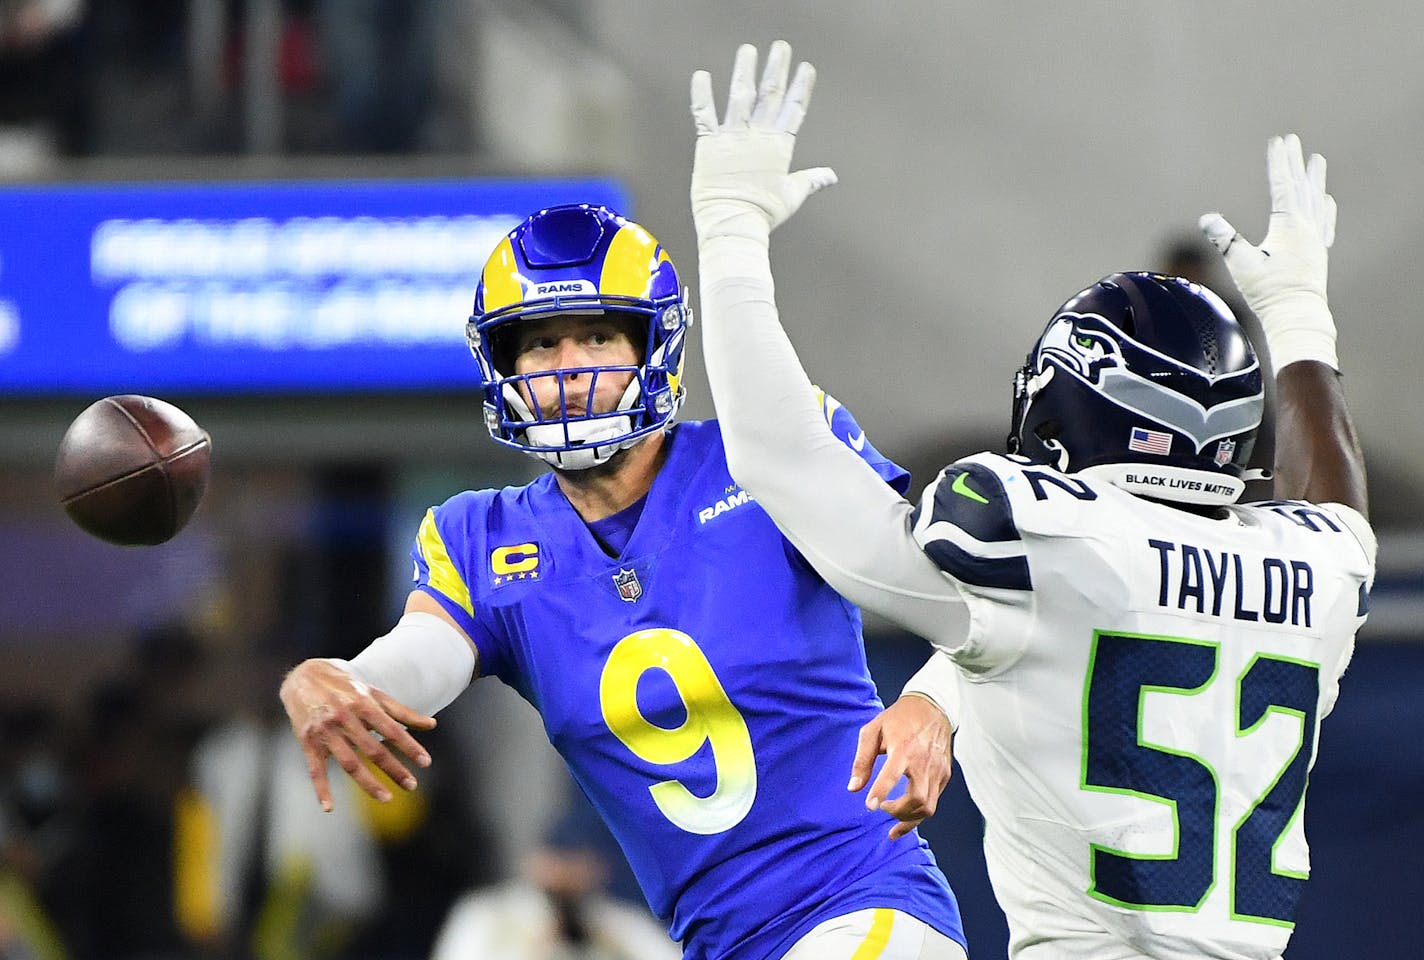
(915,737)
(742,182)
(335,715)
(1284,279)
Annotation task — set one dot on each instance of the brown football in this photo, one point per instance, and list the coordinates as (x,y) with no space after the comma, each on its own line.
(131,470)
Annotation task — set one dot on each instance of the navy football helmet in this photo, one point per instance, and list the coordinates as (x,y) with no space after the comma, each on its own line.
(579,259)
(1147,381)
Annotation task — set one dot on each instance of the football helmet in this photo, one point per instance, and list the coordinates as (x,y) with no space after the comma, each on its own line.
(1147,381)
(579,259)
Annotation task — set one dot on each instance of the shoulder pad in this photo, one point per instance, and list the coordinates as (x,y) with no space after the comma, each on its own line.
(965,523)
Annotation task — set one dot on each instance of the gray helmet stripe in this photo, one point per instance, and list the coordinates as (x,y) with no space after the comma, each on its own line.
(1177,411)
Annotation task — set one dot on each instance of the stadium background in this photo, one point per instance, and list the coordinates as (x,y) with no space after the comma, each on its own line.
(992,160)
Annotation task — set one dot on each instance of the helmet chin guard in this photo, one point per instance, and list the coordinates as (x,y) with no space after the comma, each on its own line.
(577,443)
(1146,381)
(580,260)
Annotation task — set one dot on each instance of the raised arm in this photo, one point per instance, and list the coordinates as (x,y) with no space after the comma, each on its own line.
(1318,456)
(851,526)
(842,517)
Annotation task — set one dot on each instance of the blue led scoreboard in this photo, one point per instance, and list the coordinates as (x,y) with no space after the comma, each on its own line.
(273,287)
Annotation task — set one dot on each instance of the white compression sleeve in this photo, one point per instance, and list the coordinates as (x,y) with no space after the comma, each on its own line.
(828,502)
(938,682)
(424,662)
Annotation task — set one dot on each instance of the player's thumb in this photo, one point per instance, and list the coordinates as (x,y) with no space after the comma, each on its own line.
(1222,235)
(1242,257)
(867,748)
(816,178)
(802,183)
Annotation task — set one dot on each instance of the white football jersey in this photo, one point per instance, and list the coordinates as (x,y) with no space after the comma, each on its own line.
(1138,688)
(1139,700)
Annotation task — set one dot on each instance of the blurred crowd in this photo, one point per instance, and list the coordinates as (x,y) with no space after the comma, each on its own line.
(152,823)
(145,818)
(140,77)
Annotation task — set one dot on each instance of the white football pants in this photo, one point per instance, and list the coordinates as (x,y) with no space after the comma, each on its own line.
(875,934)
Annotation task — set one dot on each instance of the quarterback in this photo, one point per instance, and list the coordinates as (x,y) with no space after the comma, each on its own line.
(699,678)
(1140,691)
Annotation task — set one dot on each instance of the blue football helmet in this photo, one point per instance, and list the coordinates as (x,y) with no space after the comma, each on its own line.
(1147,381)
(580,259)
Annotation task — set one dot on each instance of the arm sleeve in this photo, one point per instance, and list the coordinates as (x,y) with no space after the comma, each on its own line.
(938,683)
(424,663)
(831,505)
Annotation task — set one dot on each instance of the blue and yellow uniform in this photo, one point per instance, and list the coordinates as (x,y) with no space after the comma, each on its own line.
(705,687)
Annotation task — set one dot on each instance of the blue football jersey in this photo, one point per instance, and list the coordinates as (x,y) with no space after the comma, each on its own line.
(705,688)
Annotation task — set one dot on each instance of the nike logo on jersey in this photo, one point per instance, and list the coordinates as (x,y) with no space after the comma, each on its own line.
(829,406)
(961,486)
(1271,589)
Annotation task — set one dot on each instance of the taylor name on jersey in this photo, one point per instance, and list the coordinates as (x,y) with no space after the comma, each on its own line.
(1168,784)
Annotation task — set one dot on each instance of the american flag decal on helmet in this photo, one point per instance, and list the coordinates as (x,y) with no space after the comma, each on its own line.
(1157,442)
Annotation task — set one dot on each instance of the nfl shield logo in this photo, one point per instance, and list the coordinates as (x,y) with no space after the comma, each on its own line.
(628,586)
(1225,450)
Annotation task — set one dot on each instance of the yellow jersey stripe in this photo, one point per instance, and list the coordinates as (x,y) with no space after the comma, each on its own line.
(443,575)
(878,937)
(829,406)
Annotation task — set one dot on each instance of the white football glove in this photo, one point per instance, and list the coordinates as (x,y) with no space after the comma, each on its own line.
(1283,280)
(742,184)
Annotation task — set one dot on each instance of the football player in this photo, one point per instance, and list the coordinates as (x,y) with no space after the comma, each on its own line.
(697,675)
(1148,661)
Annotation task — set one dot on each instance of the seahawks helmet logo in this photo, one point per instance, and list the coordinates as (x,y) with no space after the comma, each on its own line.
(1079,348)
(1076,343)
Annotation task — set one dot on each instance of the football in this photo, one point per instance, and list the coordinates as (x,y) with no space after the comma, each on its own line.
(131,470)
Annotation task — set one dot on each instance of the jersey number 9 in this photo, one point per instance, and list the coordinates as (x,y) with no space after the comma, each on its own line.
(711,718)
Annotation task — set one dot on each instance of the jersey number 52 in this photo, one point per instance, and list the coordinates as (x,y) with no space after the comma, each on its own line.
(1117,760)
